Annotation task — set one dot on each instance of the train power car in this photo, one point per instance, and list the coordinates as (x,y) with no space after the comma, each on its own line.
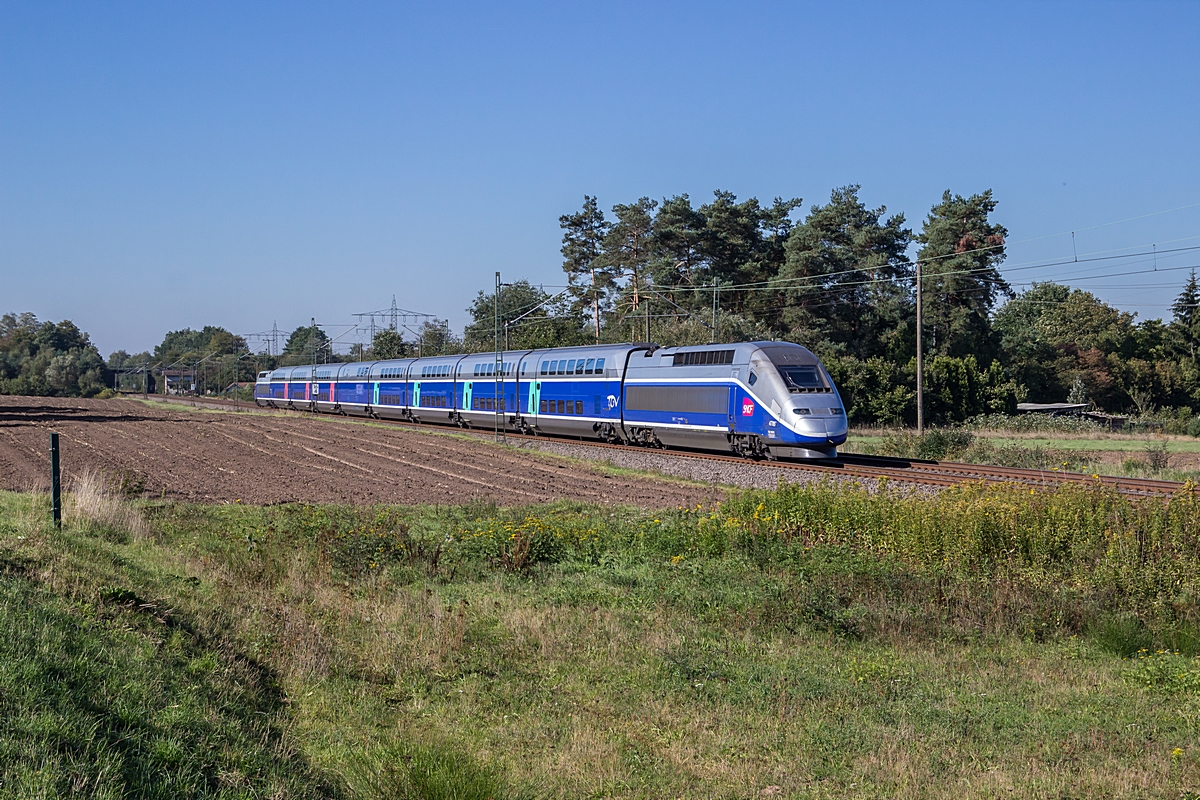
(757,399)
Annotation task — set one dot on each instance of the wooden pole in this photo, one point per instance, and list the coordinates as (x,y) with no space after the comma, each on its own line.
(497,391)
(920,360)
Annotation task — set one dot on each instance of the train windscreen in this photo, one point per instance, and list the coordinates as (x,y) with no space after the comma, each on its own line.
(801,378)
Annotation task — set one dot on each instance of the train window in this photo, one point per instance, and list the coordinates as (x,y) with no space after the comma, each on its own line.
(591,364)
(562,407)
(753,379)
(579,367)
(542,407)
(801,378)
(553,367)
(705,357)
(491,370)
(562,367)
(579,407)
(545,367)
(571,367)
(599,366)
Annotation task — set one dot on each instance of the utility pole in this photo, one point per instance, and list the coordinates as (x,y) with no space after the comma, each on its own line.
(713,330)
(920,359)
(648,317)
(497,394)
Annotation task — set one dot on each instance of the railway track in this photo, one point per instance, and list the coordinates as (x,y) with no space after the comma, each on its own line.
(928,473)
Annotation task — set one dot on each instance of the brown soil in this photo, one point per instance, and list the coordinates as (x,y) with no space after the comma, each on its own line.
(214,457)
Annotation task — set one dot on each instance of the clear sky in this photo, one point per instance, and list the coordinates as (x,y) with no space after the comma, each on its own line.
(169,165)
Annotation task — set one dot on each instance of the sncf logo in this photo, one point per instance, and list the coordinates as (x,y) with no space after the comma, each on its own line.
(747,407)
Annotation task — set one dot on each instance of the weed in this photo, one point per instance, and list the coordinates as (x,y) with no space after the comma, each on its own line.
(93,505)
(1124,635)
(1157,457)
(1167,672)
(413,771)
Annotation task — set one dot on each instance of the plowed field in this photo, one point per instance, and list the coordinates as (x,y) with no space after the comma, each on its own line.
(215,457)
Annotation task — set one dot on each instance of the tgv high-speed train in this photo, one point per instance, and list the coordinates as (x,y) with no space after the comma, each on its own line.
(757,399)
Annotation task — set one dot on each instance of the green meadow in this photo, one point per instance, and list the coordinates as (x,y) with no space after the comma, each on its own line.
(801,642)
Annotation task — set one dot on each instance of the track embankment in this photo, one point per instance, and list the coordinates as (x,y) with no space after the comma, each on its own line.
(866,470)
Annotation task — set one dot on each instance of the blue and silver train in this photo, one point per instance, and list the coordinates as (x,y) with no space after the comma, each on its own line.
(756,399)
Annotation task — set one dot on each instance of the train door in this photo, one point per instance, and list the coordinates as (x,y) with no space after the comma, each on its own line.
(468,395)
(416,398)
(732,405)
(535,398)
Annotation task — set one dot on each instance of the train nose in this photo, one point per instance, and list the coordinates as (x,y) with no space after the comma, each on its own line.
(827,424)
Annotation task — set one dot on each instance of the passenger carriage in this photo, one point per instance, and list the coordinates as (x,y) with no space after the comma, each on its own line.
(759,399)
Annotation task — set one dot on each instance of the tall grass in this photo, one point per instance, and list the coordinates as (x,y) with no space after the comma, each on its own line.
(94,504)
(804,641)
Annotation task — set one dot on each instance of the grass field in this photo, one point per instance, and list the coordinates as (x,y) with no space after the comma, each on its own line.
(1171,457)
(815,642)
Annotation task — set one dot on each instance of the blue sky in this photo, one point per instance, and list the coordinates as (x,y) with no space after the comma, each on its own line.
(172,165)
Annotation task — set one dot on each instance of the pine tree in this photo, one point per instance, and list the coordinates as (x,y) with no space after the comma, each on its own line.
(582,250)
(629,244)
(960,257)
(846,279)
(1187,318)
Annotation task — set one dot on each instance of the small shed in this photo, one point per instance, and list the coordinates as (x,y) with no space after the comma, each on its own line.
(1054,409)
(178,381)
(1110,421)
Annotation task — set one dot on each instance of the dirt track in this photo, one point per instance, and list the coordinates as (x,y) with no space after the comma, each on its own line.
(221,457)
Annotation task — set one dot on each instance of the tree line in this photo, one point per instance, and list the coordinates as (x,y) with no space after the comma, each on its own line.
(839,279)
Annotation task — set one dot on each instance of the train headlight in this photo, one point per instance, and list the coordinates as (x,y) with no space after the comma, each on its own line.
(801,410)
